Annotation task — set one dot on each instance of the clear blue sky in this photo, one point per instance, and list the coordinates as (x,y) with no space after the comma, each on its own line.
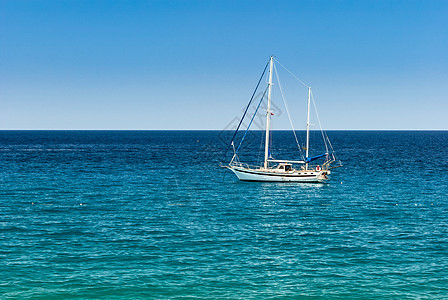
(193,64)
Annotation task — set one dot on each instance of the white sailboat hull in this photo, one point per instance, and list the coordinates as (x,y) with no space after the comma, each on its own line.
(273,176)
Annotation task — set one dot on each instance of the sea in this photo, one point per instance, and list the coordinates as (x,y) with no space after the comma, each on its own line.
(152,215)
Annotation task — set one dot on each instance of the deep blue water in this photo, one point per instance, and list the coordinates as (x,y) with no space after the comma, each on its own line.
(150,214)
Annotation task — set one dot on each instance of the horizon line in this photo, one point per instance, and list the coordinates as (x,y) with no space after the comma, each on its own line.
(43,129)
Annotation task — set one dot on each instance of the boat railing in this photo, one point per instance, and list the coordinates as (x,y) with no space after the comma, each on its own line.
(243,165)
(324,166)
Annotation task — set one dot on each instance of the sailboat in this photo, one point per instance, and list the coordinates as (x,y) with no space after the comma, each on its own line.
(282,170)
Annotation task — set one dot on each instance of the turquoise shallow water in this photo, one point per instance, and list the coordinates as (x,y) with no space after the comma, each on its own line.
(149,214)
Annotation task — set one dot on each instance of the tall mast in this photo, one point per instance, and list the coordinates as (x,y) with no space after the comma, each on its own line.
(268,115)
(308,127)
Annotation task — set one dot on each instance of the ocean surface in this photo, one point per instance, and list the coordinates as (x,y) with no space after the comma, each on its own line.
(151,215)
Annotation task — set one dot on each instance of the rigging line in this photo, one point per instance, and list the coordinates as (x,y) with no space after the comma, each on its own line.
(331,146)
(259,151)
(287,111)
(255,113)
(247,107)
(320,125)
(292,74)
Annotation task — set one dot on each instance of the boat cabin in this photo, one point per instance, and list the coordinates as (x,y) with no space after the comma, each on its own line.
(284,167)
